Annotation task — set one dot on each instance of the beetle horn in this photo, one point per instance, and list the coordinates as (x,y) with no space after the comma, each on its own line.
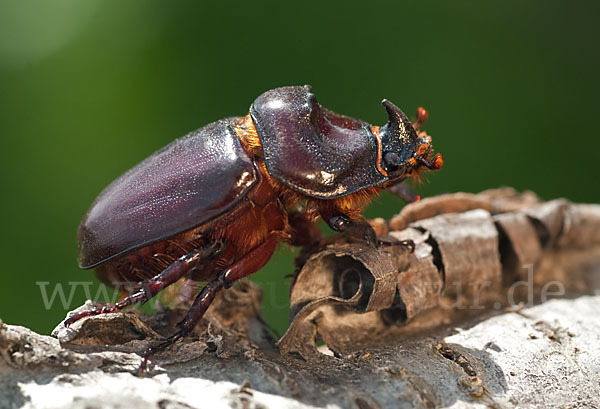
(398,122)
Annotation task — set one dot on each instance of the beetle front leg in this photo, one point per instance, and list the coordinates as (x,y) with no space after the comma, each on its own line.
(150,288)
(362,230)
(359,229)
(404,192)
(245,266)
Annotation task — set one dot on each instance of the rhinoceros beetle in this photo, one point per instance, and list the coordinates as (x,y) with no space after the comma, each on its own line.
(213,205)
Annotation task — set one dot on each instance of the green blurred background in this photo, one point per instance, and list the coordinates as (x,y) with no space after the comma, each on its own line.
(89,88)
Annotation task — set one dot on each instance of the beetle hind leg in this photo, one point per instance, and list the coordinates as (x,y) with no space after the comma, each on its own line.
(251,262)
(150,288)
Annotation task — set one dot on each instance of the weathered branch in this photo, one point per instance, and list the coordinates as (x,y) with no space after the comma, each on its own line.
(501,249)
(400,332)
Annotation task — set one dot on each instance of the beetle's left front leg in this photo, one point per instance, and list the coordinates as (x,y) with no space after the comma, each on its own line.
(245,266)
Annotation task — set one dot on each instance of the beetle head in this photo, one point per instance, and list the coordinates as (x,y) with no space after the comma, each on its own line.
(404,151)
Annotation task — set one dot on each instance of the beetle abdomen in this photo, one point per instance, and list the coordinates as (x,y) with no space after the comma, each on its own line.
(242,228)
(190,181)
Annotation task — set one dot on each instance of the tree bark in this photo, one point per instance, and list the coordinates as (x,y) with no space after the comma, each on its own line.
(396,334)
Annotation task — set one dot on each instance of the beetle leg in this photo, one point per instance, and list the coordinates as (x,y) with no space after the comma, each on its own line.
(362,230)
(406,243)
(153,286)
(248,264)
(435,163)
(404,192)
(305,231)
(359,229)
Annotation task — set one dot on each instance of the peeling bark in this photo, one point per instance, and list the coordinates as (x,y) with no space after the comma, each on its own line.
(396,332)
(479,259)
(538,357)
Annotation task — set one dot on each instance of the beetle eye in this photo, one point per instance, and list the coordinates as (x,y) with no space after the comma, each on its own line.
(392,160)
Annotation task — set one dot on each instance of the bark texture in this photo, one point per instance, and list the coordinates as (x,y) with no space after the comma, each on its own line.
(433,328)
(472,253)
